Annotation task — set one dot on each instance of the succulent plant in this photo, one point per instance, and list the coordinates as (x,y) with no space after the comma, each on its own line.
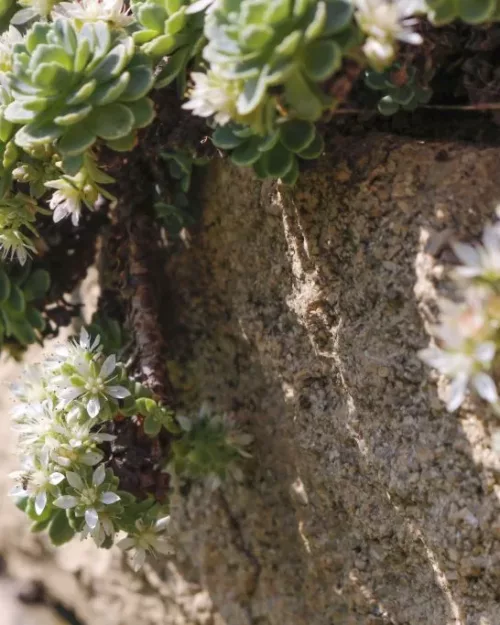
(290,45)
(21,289)
(274,156)
(179,211)
(401,87)
(167,27)
(471,11)
(74,86)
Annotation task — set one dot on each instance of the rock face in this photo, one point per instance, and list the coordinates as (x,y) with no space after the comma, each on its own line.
(301,311)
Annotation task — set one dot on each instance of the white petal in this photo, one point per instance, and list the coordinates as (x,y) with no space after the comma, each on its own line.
(467,254)
(162,524)
(185,422)
(56,478)
(138,559)
(69,394)
(40,502)
(66,502)
(108,366)
(91,518)
(93,407)
(126,543)
(457,392)
(161,545)
(485,387)
(118,392)
(99,475)
(84,338)
(18,491)
(22,16)
(109,497)
(74,480)
(485,352)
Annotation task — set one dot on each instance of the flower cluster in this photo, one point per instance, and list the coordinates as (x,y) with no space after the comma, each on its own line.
(467,336)
(60,418)
(64,407)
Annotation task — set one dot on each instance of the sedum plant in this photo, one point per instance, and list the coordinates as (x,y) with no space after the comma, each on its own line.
(73,87)
(22,291)
(400,93)
(260,48)
(473,12)
(65,484)
(172,28)
(274,156)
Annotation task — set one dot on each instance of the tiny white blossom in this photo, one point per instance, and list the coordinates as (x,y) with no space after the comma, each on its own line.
(67,200)
(8,40)
(212,96)
(36,482)
(199,5)
(15,244)
(92,385)
(385,22)
(113,11)
(147,539)
(32,9)
(88,498)
(480,261)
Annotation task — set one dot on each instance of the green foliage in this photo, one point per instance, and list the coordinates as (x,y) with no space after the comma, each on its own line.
(295,46)
(408,95)
(156,417)
(166,27)
(181,211)
(470,11)
(22,290)
(74,86)
(113,335)
(275,155)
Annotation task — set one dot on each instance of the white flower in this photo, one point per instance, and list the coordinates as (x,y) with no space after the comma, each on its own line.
(147,539)
(480,260)
(113,11)
(464,369)
(213,96)
(36,482)
(385,22)
(15,244)
(33,8)
(74,443)
(8,40)
(35,427)
(91,384)
(68,199)
(90,499)
(31,392)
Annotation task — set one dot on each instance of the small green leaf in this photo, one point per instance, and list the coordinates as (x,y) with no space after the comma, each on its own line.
(475,11)
(296,135)
(35,318)
(387,106)
(4,286)
(151,426)
(76,140)
(224,138)
(314,149)
(22,331)
(16,301)
(112,121)
(60,531)
(278,161)
(143,111)
(37,285)
(247,153)
(322,59)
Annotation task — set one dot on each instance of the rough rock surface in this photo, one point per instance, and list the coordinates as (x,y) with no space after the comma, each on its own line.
(302,313)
